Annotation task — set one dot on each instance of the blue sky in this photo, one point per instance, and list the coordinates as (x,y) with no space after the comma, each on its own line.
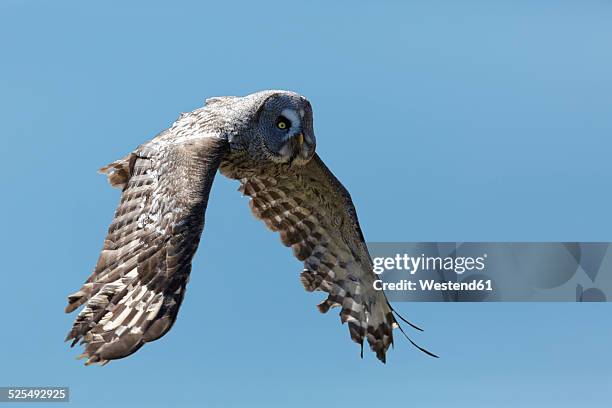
(447,121)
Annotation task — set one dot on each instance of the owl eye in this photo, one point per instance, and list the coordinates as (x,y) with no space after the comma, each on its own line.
(283,123)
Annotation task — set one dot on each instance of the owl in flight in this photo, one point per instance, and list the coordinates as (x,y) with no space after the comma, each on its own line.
(266,141)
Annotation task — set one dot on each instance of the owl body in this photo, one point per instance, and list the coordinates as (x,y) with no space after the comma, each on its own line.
(265,141)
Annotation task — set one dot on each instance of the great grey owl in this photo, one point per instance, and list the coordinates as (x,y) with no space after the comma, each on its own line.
(266,141)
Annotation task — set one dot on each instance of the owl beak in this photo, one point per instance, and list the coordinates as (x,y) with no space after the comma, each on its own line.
(297,148)
(300,139)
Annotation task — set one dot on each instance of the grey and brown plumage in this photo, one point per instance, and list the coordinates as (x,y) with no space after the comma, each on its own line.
(266,141)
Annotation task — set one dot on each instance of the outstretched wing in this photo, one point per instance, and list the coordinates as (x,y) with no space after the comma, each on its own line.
(315,216)
(138,284)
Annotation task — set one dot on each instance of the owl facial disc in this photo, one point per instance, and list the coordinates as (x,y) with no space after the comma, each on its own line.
(297,146)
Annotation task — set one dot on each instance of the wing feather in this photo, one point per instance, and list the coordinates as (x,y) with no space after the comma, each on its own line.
(138,283)
(315,216)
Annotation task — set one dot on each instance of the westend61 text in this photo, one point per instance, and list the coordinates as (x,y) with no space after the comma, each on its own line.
(432,285)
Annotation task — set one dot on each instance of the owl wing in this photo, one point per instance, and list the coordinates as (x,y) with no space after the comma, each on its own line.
(315,216)
(138,284)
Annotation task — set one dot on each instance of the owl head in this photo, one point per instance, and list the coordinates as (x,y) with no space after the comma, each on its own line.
(271,126)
